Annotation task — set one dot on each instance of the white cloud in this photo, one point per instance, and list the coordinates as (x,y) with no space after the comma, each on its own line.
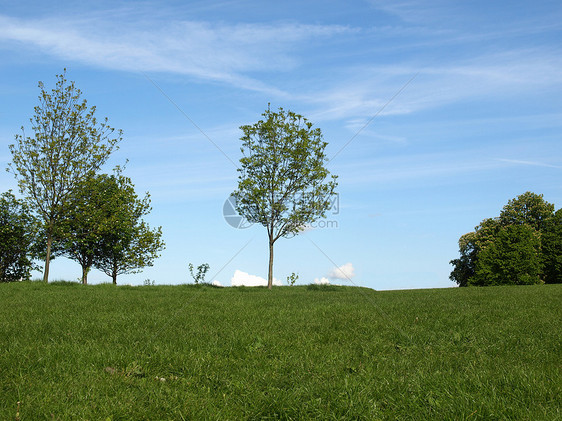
(361,92)
(531,163)
(238,54)
(450,19)
(344,272)
(411,168)
(216,283)
(321,281)
(245,279)
(415,11)
(211,51)
(445,167)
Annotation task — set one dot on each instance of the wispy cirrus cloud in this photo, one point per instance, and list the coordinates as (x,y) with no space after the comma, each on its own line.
(250,56)
(363,90)
(528,163)
(419,168)
(492,20)
(448,167)
(210,51)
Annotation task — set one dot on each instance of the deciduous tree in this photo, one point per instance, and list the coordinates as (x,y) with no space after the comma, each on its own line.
(17,236)
(127,243)
(513,248)
(89,216)
(283,182)
(68,146)
(552,249)
(470,245)
(528,208)
(511,258)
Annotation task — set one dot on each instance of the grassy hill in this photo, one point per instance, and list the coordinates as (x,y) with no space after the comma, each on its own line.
(184,352)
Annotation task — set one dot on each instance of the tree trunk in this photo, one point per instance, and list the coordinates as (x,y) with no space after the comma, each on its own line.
(114,274)
(270,274)
(48,255)
(85,270)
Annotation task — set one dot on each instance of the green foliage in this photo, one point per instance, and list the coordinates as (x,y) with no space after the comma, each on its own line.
(201,271)
(87,219)
(470,245)
(201,353)
(18,230)
(511,258)
(104,229)
(282,182)
(292,278)
(527,209)
(69,145)
(511,249)
(552,249)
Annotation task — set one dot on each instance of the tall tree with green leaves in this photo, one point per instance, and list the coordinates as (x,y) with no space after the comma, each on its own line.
(470,246)
(511,258)
(528,208)
(126,243)
(68,146)
(283,181)
(509,249)
(89,215)
(18,230)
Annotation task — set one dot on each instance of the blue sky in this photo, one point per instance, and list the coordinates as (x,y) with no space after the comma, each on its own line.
(477,119)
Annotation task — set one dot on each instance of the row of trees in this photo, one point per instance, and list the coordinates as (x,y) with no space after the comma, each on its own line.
(69,209)
(522,246)
(96,219)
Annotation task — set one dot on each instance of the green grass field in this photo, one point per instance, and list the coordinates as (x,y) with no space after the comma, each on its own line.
(77,352)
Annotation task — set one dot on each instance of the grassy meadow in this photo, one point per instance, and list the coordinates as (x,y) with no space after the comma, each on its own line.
(73,352)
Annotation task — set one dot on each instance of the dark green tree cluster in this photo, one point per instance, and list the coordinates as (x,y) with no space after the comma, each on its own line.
(103,227)
(522,246)
(93,219)
(18,229)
